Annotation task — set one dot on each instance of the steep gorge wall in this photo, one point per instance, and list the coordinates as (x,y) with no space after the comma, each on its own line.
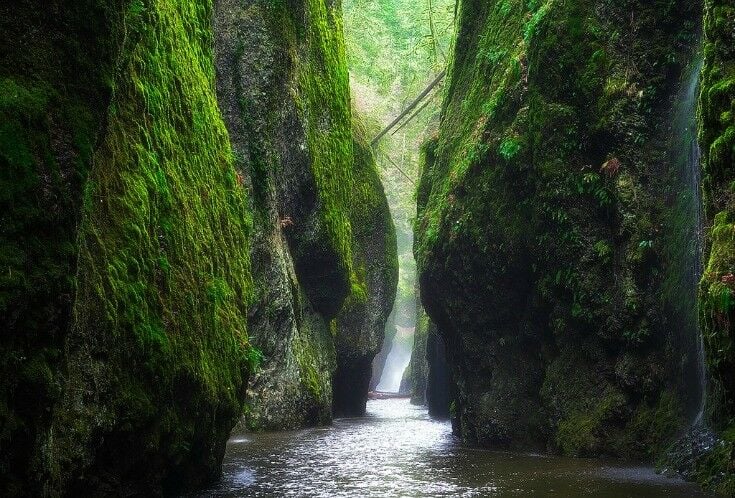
(125,234)
(263,73)
(324,246)
(543,216)
(717,138)
(48,130)
(173,174)
(717,306)
(361,324)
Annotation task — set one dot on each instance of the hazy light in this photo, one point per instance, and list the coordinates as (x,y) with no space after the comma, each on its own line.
(397,361)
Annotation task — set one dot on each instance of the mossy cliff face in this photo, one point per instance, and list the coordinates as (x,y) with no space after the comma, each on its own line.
(717,139)
(717,290)
(362,321)
(49,124)
(127,231)
(540,235)
(283,88)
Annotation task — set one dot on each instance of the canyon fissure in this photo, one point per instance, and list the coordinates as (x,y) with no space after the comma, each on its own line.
(210,253)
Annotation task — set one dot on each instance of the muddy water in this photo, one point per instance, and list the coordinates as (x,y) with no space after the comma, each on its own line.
(398,451)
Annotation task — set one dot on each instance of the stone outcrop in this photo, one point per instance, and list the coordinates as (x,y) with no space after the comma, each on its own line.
(544,223)
(361,323)
(125,242)
(323,249)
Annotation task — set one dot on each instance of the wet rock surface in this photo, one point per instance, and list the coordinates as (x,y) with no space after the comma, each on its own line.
(324,244)
(543,225)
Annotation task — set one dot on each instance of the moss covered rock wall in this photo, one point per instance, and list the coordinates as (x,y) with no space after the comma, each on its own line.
(362,321)
(49,125)
(717,139)
(125,234)
(717,305)
(542,223)
(324,246)
(153,152)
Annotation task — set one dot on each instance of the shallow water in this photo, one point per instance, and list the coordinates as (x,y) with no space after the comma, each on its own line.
(398,451)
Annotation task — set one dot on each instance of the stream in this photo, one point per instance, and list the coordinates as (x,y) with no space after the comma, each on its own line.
(398,451)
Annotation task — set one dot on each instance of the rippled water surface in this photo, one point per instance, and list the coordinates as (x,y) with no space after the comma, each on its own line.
(398,451)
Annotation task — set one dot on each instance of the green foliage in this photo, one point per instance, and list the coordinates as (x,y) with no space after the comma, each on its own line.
(593,184)
(603,250)
(716,471)
(509,148)
(396,42)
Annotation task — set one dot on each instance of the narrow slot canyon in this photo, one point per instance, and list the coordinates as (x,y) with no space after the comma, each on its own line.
(376,248)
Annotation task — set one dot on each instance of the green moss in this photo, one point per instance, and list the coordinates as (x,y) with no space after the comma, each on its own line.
(717,306)
(324,101)
(717,140)
(534,207)
(164,271)
(716,302)
(50,117)
(579,434)
(653,426)
(164,189)
(308,366)
(369,217)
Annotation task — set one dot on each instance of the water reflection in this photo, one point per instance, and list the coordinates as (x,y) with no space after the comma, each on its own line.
(397,451)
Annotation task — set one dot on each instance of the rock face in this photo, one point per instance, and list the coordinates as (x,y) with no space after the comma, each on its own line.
(428,371)
(258,54)
(130,217)
(717,139)
(44,162)
(125,239)
(324,247)
(543,222)
(717,290)
(438,383)
(361,323)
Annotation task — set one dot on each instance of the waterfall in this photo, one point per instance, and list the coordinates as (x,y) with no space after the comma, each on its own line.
(688,156)
(397,361)
(695,185)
